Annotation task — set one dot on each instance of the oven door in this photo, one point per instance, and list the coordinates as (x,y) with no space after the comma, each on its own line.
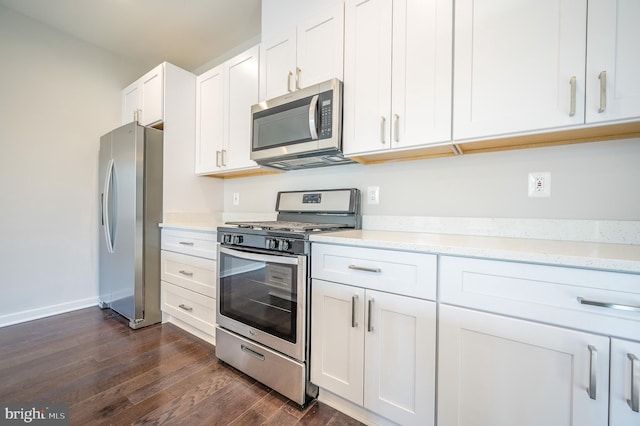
(262,297)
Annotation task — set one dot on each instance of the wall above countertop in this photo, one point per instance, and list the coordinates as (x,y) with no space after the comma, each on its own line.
(591,181)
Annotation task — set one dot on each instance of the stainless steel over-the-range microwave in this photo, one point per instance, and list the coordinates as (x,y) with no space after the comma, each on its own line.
(301,129)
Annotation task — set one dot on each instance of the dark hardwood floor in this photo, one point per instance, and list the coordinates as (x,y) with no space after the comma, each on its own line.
(112,375)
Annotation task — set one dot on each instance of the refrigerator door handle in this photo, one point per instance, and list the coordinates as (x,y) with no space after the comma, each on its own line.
(108,181)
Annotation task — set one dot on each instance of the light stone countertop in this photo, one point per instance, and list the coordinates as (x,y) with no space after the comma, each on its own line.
(606,256)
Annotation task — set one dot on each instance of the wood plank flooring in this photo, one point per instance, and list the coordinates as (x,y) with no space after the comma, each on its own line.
(112,375)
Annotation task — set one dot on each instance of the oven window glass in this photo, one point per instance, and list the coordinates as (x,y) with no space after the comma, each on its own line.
(260,294)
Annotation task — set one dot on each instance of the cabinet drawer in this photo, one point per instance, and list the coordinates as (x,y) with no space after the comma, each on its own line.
(549,294)
(195,243)
(193,273)
(411,274)
(191,307)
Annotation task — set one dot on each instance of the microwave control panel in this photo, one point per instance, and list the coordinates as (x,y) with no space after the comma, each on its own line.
(326,114)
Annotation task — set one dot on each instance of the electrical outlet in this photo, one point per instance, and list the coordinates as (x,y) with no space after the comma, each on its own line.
(540,184)
(373,195)
(236,198)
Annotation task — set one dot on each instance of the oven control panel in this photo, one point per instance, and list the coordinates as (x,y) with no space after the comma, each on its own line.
(279,244)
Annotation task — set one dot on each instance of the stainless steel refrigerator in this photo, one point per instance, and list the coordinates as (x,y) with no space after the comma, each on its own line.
(130,171)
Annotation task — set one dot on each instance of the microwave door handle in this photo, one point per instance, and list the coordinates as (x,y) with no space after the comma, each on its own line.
(313,126)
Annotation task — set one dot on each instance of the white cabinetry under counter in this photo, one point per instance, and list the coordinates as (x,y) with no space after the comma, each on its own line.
(546,344)
(373,333)
(188,274)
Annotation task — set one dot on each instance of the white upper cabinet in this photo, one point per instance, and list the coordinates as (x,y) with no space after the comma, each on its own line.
(241,92)
(397,74)
(613,60)
(143,100)
(209,120)
(308,54)
(519,66)
(224,96)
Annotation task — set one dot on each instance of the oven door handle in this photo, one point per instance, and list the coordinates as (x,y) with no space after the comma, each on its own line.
(261,257)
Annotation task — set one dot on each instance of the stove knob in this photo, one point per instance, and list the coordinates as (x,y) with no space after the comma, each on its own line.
(284,245)
(271,244)
(226,238)
(237,239)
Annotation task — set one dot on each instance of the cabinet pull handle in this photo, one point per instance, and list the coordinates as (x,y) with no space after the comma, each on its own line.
(217,158)
(617,306)
(369,325)
(593,363)
(252,352)
(185,307)
(354,298)
(634,401)
(396,127)
(382,128)
(186,243)
(289,75)
(186,273)
(224,157)
(298,71)
(364,268)
(603,91)
(572,105)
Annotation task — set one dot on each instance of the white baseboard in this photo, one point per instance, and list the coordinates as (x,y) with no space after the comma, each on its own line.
(46,311)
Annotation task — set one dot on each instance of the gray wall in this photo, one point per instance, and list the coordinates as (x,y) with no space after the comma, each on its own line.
(58,95)
(588,181)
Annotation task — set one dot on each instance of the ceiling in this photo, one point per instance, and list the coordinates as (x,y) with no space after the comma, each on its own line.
(187,33)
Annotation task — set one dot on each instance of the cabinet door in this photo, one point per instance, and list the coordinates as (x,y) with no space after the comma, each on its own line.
(400,350)
(499,371)
(367,76)
(625,376)
(152,96)
(209,120)
(320,42)
(519,66)
(337,339)
(130,102)
(612,49)
(241,92)
(422,62)
(277,65)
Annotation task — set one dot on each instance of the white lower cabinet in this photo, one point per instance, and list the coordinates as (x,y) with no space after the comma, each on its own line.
(560,346)
(188,281)
(375,349)
(499,371)
(624,399)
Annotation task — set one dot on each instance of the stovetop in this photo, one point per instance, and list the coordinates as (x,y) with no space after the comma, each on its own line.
(289,226)
(300,214)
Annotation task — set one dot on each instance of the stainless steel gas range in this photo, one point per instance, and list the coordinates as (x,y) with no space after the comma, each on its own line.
(263,294)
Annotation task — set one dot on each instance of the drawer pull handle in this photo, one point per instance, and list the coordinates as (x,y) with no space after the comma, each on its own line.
(186,273)
(185,307)
(634,401)
(354,323)
(593,363)
(186,243)
(617,306)
(369,325)
(364,268)
(252,352)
